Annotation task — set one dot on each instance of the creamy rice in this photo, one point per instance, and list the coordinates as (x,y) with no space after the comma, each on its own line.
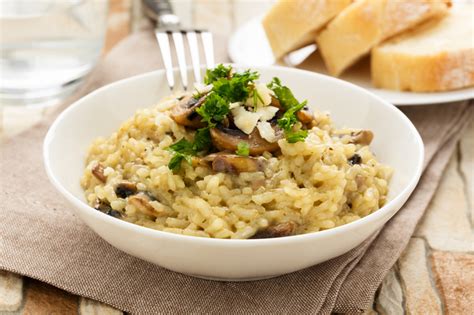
(314,183)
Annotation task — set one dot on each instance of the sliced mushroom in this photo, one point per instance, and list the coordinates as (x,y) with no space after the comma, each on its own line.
(232,163)
(98,172)
(276,102)
(142,203)
(104,206)
(125,189)
(228,139)
(115,214)
(363,137)
(305,115)
(279,230)
(355,159)
(184,113)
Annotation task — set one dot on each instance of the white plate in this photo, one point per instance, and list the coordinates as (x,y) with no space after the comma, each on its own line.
(249,46)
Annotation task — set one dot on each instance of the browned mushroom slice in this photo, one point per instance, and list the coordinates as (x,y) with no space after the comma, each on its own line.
(98,172)
(232,163)
(104,206)
(228,139)
(363,137)
(275,102)
(125,189)
(355,159)
(142,203)
(184,113)
(305,115)
(279,230)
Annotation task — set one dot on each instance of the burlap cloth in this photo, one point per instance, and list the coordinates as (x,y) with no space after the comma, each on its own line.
(41,237)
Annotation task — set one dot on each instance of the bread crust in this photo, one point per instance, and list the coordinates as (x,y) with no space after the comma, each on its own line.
(439,72)
(412,61)
(291,24)
(366,23)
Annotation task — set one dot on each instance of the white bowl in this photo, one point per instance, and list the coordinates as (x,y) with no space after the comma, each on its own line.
(397,143)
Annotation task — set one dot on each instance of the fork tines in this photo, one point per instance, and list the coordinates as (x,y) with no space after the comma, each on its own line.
(192,37)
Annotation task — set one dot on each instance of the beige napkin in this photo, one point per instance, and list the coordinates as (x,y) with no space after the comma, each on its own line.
(40,237)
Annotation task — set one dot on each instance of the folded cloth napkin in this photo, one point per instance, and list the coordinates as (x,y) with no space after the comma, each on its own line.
(42,238)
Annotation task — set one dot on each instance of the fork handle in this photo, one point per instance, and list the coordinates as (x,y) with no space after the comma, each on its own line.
(157,9)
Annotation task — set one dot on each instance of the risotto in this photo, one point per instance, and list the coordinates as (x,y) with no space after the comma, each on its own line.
(236,159)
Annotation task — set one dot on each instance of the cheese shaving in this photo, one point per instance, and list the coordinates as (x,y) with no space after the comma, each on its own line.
(266,131)
(245,120)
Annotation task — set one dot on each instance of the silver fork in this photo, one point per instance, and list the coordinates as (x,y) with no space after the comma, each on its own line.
(168,25)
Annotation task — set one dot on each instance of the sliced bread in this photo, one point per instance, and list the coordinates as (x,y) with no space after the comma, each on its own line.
(437,56)
(291,24)
(366,23)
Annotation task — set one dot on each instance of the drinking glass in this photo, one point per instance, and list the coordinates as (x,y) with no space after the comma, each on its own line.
(47,47)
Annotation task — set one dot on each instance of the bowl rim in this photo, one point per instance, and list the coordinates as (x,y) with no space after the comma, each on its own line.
(401,197)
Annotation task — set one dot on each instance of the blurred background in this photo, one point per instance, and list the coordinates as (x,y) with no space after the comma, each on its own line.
(48,47)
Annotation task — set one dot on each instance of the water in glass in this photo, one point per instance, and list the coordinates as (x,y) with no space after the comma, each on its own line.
(47,47)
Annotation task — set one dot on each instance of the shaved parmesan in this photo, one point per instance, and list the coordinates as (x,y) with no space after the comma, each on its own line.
(245,120)
(264,96)
(234,105)
(267,113)
(202,88)
(266,131)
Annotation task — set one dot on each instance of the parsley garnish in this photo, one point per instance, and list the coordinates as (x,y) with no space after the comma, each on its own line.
(182,146)
(214,109)
(291,104)
(202,140)
(289,119)
(229,87)
(283,93)
(218,72)
(185,150)
(226,89)
(237,88)
(175,162)
(256,97)
(295,136)
(243,149)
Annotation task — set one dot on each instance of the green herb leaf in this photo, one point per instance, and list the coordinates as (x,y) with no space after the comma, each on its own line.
(292,106)
(289,119)
(214,109)
(283,93)
(182,146)
(237,88)
(256,97)
(185,150)
(218,72)
(202,140)
(175,162)
(227,88)
(296,136)
(243,149)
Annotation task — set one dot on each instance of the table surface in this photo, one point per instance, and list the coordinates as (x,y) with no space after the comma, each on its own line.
(435,275)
